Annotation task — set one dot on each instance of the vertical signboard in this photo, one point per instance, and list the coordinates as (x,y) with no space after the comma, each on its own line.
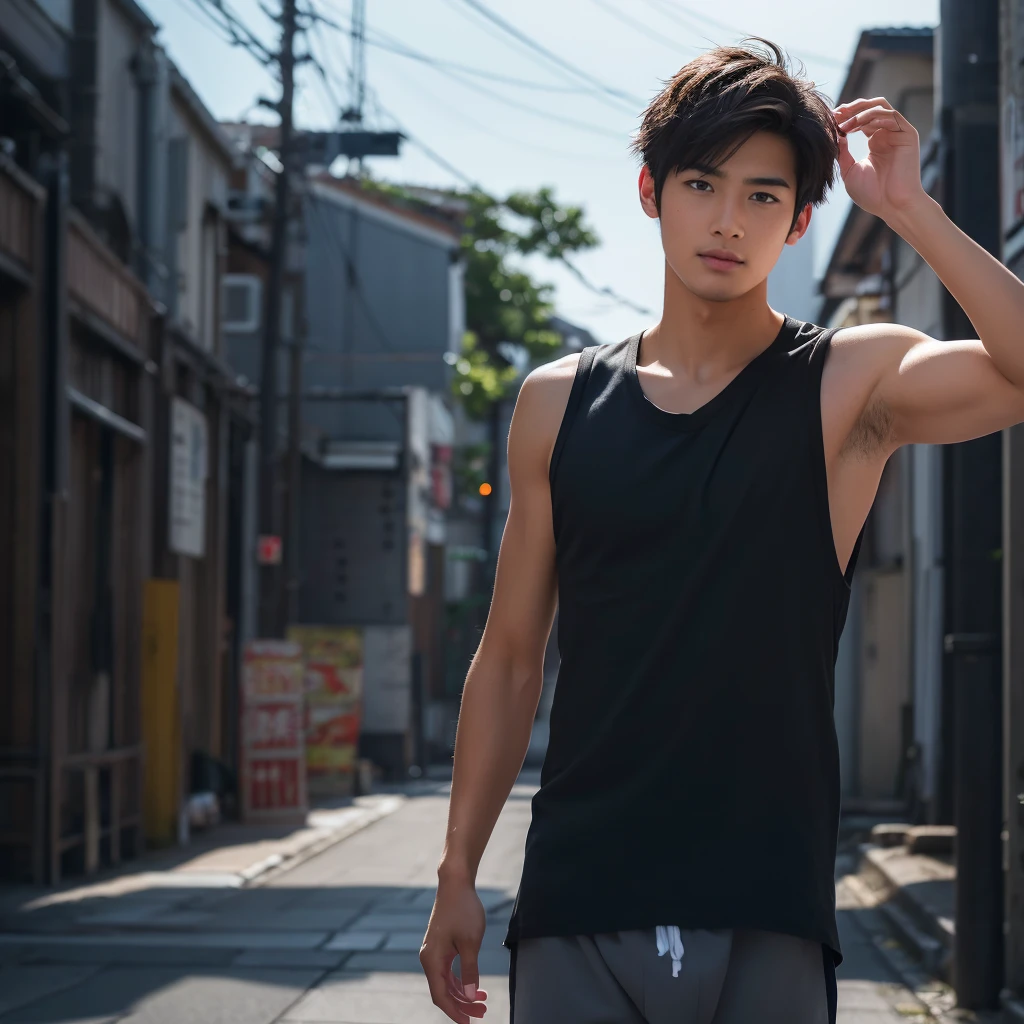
(1012,141)
(333,657)
(418,484)
(273,743)
(188,468)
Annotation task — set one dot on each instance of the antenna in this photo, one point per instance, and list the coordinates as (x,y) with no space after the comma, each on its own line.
(357,76)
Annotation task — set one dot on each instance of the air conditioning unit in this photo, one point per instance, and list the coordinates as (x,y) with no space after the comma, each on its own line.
(241,303)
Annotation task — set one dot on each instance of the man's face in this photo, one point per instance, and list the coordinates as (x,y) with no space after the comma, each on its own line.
(743,208)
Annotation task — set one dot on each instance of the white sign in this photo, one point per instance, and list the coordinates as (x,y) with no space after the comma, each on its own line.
(387,678)
(189,468)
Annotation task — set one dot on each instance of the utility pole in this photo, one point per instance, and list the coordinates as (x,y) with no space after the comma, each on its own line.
(292,554)
(972,520)
(271,605)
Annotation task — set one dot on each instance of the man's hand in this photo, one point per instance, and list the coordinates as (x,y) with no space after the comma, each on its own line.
(456,928)
(887,182)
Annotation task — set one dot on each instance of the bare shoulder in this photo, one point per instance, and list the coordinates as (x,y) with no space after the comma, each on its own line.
(867,347)
(539,409)
(550,377)
(545,392)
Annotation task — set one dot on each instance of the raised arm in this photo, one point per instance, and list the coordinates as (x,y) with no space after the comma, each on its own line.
(914,388)
(502,690)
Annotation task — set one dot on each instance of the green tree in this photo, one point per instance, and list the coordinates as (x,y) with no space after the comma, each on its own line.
(504,304)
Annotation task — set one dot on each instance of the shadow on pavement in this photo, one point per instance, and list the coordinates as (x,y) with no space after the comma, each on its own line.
(257,955)
(216,954)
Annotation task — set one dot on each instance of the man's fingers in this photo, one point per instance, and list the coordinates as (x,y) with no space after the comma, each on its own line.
(443,1000)
(468,972)
(863,103)
(861,117)
(438,969)
(455,989)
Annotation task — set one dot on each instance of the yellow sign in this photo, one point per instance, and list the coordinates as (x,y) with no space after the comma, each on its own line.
(334,686)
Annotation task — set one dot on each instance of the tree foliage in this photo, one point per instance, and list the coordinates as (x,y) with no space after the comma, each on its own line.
(506,309)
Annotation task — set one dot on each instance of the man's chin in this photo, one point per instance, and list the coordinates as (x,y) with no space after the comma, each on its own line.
(710,293)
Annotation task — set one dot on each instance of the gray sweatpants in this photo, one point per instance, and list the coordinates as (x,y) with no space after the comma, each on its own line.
(724,977)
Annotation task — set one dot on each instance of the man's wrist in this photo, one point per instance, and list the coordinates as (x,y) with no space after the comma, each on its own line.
(453,869)
(905,221)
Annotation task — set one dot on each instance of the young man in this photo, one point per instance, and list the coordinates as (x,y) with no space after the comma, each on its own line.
(695,495)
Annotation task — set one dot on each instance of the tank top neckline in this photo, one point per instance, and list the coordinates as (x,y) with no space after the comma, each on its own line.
(690,420)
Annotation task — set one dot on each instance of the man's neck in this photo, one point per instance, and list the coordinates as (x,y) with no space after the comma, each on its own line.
(700,339)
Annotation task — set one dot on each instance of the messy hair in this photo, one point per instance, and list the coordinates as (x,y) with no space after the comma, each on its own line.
(717,101)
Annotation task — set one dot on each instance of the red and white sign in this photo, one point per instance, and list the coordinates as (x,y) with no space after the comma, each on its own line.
(273,726)
(268,549)
(273,732)
(275,785)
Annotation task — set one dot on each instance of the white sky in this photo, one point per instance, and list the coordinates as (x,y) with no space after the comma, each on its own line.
(502,147)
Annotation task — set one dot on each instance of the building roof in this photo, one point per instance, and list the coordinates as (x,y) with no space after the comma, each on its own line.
(350,191)
(141,19)
(181,85)
(876,42)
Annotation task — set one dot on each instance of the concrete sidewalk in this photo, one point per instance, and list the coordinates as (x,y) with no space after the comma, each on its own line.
(230,856)
(334,939)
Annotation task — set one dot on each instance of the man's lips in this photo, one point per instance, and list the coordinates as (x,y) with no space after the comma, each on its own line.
(720,262)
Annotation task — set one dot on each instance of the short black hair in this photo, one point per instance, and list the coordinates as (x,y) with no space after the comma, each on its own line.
(718,100)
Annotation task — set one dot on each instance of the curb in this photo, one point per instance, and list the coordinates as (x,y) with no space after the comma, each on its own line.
(935,995)
(907,918)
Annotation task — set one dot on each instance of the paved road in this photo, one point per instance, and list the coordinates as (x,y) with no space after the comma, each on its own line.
(333,941)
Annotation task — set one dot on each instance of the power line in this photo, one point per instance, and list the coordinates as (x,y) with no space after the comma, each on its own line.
(206,20)
(640,27)
(440,69)
(240,34)
(537,50)
(392,44)
(581,126)
(545,114)
(420,144)
(322,71)
(353,277)
(504,136)
(605,290)
(576,272)
(532,43)
(673,10)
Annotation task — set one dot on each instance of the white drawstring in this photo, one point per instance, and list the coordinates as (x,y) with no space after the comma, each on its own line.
(671,942)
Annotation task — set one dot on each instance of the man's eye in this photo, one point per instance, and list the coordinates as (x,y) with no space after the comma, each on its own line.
(767,195)
(699,181)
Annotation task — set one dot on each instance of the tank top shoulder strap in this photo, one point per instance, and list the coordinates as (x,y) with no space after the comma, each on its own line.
(579,385)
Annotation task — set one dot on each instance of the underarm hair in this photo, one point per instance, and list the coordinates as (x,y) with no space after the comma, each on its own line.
(872,432)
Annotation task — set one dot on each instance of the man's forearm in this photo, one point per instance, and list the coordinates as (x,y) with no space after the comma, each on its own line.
(990,295)
(499,702)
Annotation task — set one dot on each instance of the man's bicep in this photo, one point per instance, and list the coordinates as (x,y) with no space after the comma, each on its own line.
(523,602)
(943,392)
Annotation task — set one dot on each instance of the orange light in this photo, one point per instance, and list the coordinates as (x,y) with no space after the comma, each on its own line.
(485,489)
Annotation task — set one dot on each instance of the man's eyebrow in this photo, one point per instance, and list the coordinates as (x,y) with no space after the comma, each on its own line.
(714,172)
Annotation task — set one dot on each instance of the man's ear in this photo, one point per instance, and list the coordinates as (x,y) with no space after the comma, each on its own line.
(646,188)
(800,227)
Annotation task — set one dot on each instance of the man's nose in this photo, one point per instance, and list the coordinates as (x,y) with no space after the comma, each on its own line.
(727,223)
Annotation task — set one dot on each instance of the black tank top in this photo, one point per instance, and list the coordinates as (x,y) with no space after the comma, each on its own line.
(692,773)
